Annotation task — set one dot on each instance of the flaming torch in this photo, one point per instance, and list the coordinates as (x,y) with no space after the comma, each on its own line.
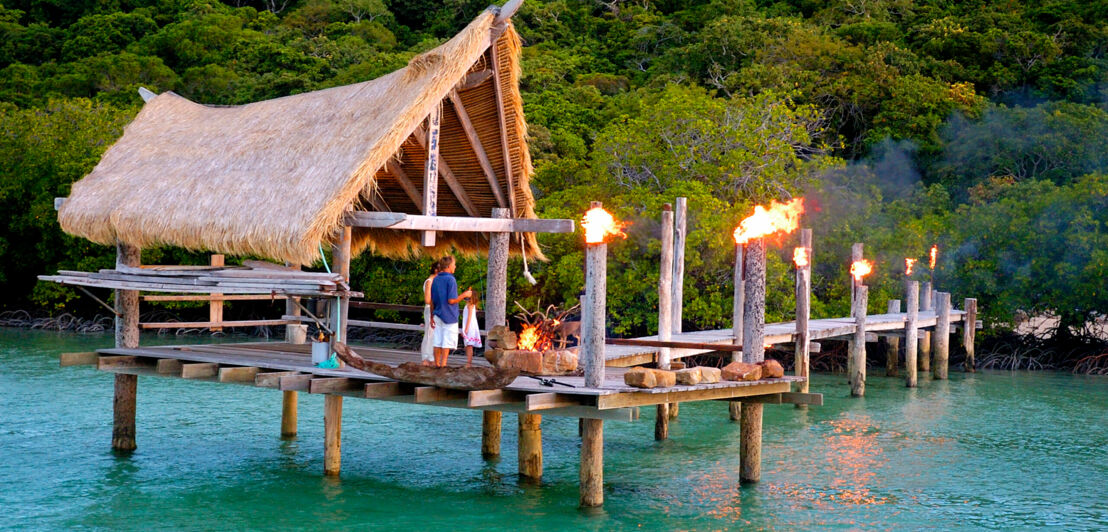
(934,260)
(802,259)
(908,263)
(856,363)
(598,224)
(777,218)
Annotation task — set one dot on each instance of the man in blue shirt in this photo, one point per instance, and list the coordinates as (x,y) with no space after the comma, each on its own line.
(444,309)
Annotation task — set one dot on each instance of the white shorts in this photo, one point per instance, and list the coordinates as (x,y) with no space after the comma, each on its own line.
(446,334)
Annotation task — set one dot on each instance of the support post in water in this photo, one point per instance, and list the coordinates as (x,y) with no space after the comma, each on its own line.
(592,463)
(892,344)
(911,334)
(924,355)
(754,317)
(803,309)
(680,233)
(969,332)
(942,336)
(496,311)
(332,435)
(738,304)
(665,313)
(126,336)
(294,334)
(857,364)
(530,447)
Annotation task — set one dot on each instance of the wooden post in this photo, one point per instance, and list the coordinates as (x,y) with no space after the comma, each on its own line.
(496,313)
(924,356)
(803,313)
(215,307)
(593,312)
(332,435)
(856,254)
(857,369)
(911,334)
(754,318)
(294,334)
(592,463)
(665,313)
(530,446)
(680,222)
(431,172)
(126,336)
(969,332)
(942,337)
(340,253)
(892,344)
(738,304)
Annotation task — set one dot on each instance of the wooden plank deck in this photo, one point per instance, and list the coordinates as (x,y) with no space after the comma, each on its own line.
(776,333)
(289,367)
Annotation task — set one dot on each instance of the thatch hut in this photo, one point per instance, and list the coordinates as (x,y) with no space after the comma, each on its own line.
(278,178)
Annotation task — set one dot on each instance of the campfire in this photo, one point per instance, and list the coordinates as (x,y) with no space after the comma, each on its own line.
(533,349)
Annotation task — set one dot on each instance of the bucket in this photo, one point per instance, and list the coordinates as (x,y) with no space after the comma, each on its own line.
(321,351)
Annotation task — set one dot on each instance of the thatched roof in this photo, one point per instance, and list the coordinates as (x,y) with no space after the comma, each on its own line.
(275,178)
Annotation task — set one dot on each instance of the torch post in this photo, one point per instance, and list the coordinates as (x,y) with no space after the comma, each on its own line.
(924,358)
(911,334)
(969,330)
(737,321)
(942,336)
(593,315)
(665,314)
(754,321)
(803,312)
(856,254)
(857,363)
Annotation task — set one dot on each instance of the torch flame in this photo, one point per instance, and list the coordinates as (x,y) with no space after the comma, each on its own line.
(764,222)
(800,256)
(599,223)
(861,268)
(908,263)
(934,255)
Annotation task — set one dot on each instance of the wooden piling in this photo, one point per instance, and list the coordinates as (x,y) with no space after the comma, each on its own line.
(856,254)
(125,396)
(738,304)
(215,306)
(801,342)
(911,334)
(496,312)
(680,228)
(892,344)
(754,318)
(924,355)
(857,365)
(665,313)
(332,435)
(593,312)
(942,336)
(530,446)
(969,332)
(289,416)
(592,463)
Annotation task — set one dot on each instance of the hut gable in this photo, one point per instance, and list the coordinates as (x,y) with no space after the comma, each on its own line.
(277,178)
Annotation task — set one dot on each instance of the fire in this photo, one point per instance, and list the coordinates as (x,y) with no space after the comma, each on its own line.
(530,339)
(800,256)
(934,255)
(764,222)
(861,268)
(599,223)
(908,263)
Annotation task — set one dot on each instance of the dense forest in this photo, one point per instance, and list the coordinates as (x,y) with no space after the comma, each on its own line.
(980,126)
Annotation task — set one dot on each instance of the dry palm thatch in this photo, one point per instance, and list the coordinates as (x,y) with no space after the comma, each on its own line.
(276,178)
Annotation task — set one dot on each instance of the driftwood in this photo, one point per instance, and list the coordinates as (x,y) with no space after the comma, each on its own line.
(454,378)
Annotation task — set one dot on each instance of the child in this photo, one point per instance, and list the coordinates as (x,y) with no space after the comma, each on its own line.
(427,349)
(471,329)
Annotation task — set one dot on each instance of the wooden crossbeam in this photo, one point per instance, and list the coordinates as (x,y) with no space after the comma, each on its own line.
(547,401)
(406,183)
(685,345)
(112,362)
(87,358)
(211,297)
(447,175)
(431,394)
(298,382)
(238,374)
(473,79)
(199,370)
(169,366)
(505,148)
(332,385)
(393,220)
(379,390)
(271,379)
(477,147)
(208,324)
(788,398)
(621,400)
(479,398)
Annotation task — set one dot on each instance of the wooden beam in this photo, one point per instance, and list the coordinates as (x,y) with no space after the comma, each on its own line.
(109,363)
(479,398)
(207,324)
(431,394)
(211,297)
(296,382)
(627,399)
(215,306)
(406,183)
(378,390)
(87,358)
(547,401)
(472,80)
(169,366)
(503,126)
(507,10)
(478,148)
(238,374)
(272,379)
(429,140)
(680,345)
(447,175)
(199,370)
(458,223)
(333,385)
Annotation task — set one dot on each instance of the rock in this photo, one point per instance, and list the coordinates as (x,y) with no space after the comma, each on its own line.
(664,378)
(772,369)
(741,371)
(676,365)
(688,376)
(640,378)
(709,375)
(558,362)
(525,361)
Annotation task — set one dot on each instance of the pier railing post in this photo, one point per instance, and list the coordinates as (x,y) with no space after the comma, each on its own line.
(969,332)
(738,306)
(911,334)
(126,336)
(857,366)
(754,317)
(803,313)
(942,336)
(496,313)
(924,355)
(892,344)
(665,313)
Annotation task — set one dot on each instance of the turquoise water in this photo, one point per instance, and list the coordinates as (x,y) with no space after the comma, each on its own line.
(992,450)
